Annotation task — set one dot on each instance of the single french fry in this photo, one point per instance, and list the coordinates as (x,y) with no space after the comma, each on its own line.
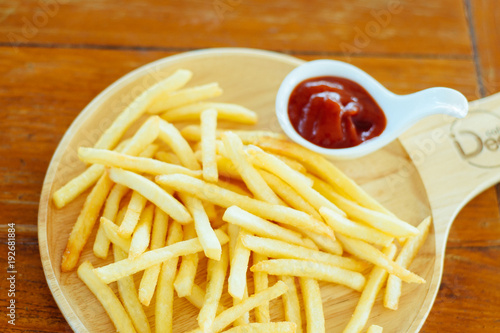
(144,136)
(142,234)
(313,305)
(208,239)
(374,283)
(209,162)
(237,280)
(230,315)
(152,192)
(173,138)
(261,282)
(137,164)
(225,198)
(117,270)
(259,226)
(165,289)
(197,298)
(254,181)
(288,194)
(291,302)
(187,270)
(193,133)
(111,207)
(388,224)
(128,294)
(185,97)
(324,243)
(225,111)
(233,231)
(350,228)
(283,250)
(134,210)
(150,277)
(84,224)
(293,178)
(216,274)
(276,327)
(167,157)
(135,109)
(313,270)
(375,329)
(106,297)
(112,233)
(404,259)
(324,169)
(371,254)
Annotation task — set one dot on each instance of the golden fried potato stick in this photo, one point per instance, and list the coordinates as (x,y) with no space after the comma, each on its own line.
(216,274)
(142,234)
(111,207)
(404,259)
(259,226)
(211,246)
(375,329)
(225,198)
(313,270)
(208,120)
(350,228)
(150,277)
(389,224)
(276,327)
(374,283)
(313,305)
(193,133)
(233,231)
(112,233)
(106,297)
(288,194)
(371,254)
(117,270)
(173,138)
(137,164)
(295,179)
(260,283)
(278,249)
(152,192)
(85,222)
(137,108)
(254,181)
(197,298)
(320,166)
(237,280)
(134,210)
(185,96)
(128,294)
(230,315)
(165,290)
(187,270)
(291,302)
(144,136)
(225,111)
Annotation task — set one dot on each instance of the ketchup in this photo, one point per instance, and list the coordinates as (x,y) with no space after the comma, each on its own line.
(334,112)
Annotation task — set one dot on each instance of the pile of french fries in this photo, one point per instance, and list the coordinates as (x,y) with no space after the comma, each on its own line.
(251,202)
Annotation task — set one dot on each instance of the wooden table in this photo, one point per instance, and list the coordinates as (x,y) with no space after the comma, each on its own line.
(56,55)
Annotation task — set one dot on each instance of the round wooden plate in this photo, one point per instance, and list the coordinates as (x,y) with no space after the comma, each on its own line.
(250,78)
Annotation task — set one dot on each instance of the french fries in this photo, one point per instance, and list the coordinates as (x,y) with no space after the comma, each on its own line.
(233,197)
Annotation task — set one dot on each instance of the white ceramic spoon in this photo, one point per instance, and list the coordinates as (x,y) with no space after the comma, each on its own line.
(401,111)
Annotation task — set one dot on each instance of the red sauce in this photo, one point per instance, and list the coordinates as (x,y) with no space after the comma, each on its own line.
(334,112)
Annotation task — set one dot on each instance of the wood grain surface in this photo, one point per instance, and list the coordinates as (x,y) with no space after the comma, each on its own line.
(55,59)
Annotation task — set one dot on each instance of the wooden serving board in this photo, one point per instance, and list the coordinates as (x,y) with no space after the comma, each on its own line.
(435,168)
